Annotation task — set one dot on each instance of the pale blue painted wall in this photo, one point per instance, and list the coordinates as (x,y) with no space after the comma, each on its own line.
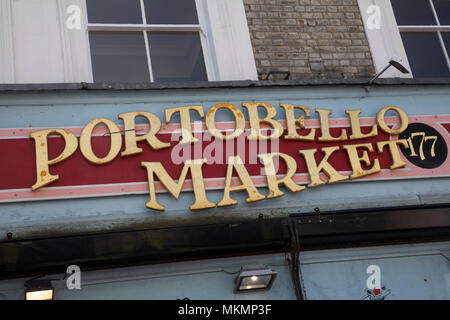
(77,108)
(420,271)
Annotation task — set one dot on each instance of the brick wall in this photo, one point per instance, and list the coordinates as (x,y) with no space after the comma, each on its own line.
(311,39)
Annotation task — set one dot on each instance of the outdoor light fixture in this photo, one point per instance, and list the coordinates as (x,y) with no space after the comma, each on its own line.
(38,290)
(254,277)
(393,62)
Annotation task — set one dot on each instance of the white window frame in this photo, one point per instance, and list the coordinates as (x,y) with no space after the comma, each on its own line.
(438,28)
(201,28)
(386,42)
(223,29)
(6,39)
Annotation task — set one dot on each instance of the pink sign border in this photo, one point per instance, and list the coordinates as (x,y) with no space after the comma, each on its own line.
(104,190)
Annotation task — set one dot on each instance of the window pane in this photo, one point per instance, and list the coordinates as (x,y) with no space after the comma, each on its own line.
(413,12)
(443,11)
(446,38)
(119,57)
(171,11)
(114,11)
(425,54)
(177,56)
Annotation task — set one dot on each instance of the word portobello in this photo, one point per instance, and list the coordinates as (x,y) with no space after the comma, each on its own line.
(295,130)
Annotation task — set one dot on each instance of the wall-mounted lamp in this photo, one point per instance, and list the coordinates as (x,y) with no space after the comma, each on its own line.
(38,290)
(392,62)
(254,277)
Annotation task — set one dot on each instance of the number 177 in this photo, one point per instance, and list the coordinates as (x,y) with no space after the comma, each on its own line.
(424,139)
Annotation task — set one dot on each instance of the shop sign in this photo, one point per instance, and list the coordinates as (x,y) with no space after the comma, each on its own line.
(104,158)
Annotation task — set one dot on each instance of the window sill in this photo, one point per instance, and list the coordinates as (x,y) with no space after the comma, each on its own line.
(219,84)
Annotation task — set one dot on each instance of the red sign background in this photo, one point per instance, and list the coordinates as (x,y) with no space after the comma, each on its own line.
(80,178)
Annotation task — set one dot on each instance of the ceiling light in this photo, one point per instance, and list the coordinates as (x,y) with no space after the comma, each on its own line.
(254,277)
(39,290)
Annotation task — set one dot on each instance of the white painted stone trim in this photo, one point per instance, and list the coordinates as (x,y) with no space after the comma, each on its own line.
(385,42)
(75,45)
(6,47)
(231,40)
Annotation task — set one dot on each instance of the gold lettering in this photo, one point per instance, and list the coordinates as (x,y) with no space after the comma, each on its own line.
(314,169)
(43,176)
(291,123)
(195,167)
(383,125)
(356,126)
(355,160)
(255,121)
(131,138)
(238,120)
(247,183)
(86,146)
(272,181)
(325,128)
(397,161)
(185,121)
